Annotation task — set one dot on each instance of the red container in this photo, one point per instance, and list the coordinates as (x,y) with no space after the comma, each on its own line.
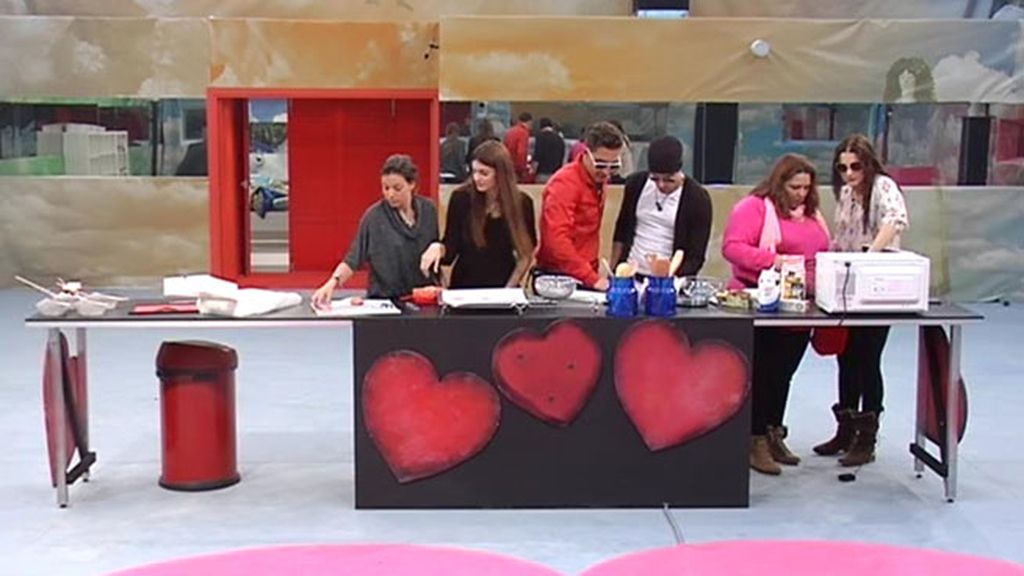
(197,415)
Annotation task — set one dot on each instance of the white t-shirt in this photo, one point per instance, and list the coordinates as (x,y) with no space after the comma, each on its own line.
(655,225)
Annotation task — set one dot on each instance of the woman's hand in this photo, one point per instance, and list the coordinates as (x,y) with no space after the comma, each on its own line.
(322,297)
(430,261)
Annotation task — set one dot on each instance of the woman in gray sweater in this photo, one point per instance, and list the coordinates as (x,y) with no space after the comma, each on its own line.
(393,235)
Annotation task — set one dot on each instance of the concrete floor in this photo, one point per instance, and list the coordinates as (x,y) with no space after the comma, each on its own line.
(295,455)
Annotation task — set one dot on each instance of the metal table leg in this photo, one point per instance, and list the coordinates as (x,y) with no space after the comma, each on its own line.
(60,417)
(922,409)
(953,410)
(83,375)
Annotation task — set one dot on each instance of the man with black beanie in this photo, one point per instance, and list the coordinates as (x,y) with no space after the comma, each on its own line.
(662,211)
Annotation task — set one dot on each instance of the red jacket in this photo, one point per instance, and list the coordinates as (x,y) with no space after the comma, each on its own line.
(570,224)
(517,140)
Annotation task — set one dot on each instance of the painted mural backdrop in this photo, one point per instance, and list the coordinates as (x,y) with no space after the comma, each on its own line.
(277,53)
(63,57)
(379,10)
(104,231)
(929,69)
(845,9)
(900,61)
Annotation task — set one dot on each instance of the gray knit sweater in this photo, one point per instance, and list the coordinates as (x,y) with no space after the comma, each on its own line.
(392,248)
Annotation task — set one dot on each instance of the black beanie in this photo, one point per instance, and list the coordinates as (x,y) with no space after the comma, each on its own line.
(665,155)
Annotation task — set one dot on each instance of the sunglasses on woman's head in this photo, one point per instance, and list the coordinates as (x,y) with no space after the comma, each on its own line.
(851,167)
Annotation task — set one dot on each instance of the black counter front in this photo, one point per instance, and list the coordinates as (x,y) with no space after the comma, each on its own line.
(552,410)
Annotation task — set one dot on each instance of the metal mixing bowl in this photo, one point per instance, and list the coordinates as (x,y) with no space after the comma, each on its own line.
(696,291)
(554,287)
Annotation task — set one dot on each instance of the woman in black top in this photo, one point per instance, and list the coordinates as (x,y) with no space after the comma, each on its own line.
(490,233)
(662,211)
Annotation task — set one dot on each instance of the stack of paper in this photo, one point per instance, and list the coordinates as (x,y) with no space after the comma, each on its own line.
(225,298)
(194,284)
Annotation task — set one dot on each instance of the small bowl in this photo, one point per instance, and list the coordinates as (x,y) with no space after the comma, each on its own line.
(554,287)
(696,291)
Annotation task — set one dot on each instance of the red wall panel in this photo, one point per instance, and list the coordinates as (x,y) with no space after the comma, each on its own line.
(335,150)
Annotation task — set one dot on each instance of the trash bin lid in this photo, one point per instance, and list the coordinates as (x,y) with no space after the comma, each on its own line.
(199,355)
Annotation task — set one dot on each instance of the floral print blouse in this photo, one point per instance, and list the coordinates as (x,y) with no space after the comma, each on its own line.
(887,207)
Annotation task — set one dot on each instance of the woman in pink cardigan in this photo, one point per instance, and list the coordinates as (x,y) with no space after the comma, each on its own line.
(780,217)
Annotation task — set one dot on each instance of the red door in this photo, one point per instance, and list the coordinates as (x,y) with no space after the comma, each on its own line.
(335,151)
(228,171)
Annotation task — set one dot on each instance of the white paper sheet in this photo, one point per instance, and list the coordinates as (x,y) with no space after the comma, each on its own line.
(371,307)
(497,298)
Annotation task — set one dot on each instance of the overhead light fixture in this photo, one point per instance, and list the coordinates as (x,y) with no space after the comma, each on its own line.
(760,48)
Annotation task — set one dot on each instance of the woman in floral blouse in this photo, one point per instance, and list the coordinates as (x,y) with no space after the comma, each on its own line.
(870,215)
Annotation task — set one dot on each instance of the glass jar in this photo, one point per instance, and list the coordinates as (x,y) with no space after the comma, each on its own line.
(660,297)
(622,297)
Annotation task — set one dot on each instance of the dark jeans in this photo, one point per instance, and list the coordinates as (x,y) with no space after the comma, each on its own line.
(777,355)
(860,369)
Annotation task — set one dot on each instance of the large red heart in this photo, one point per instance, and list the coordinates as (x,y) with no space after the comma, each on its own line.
(674,393)
(550,375)
(422,425)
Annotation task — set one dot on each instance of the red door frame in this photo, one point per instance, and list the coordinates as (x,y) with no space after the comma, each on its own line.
(229,210)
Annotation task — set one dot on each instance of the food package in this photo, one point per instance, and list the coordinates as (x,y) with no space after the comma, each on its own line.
(736,299)
(794,277)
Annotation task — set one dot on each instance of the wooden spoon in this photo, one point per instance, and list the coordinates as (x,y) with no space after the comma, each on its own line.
(677,261)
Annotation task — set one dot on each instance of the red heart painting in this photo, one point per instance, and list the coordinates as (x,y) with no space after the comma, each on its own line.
(550,375)
(422,425)
(673,392)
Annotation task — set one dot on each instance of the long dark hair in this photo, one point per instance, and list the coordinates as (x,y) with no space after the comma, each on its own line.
(924,84)
(493,154)
(859,145)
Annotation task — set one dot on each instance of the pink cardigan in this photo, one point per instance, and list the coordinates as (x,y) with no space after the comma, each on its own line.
(743,234)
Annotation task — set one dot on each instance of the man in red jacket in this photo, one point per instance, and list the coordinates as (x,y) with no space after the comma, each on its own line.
(573,204)
(517,140)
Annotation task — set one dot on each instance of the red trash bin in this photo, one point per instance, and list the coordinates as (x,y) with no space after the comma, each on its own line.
(197,415)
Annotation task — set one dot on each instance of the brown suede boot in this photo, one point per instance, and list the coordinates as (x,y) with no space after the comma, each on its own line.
(863,449)
(844,433)
(761,457)
(777,446)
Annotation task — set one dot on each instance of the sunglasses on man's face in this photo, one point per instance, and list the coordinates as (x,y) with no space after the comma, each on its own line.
(609,165)
(851,167)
